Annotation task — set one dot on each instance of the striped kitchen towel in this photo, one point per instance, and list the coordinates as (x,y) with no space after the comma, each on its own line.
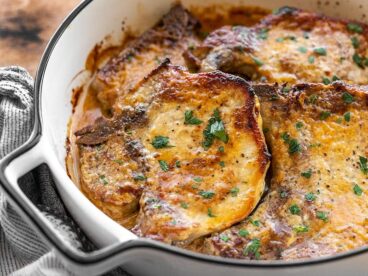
(22,252)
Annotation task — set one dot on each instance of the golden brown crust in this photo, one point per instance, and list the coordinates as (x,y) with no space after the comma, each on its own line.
(167,39)
(290,46)
(231,177)
(316,203)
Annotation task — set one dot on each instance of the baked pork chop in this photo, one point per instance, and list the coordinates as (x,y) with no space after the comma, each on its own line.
(201,154)
(317,203)
(290,46)
(167,39)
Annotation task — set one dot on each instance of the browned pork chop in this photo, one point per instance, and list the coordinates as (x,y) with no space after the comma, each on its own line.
(192,143)
(290,46)
(167,39)
(317,203)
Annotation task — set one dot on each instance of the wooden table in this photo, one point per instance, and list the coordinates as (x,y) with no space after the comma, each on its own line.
(25,28)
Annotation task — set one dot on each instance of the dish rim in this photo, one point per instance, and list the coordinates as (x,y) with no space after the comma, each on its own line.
(109,252)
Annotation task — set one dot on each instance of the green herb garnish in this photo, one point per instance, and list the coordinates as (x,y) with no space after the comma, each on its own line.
(326,80)
(222,164)
(301,228)
(311,59)
(234,191)
(363,164)
(302,49)
(214,130)
(310,197)
(294,209)
(103,180)
(347,116)
(324,115)
(298,125)
(243,233)
(184,205)
(139,177)
(164,166)
(355,28)
(322,216)
(224,238)
(189,118)
(307,174)
(347,97)
(207,194)
(355,42)
(357,190)
(177,164)
(209,213)
(257,61)
(263,34)
(320,51)
(358,60)
(160,142)
(253,248)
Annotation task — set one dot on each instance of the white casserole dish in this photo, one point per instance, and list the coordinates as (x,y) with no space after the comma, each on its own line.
(65,58)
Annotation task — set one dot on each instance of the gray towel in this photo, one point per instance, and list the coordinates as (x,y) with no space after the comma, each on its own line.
(22,252)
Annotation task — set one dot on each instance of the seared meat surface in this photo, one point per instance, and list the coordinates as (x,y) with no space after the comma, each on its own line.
(183,158)
(167,39)
(291,46)
(317,201)
(201,159)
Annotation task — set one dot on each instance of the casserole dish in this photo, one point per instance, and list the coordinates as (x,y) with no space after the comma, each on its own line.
(63,59)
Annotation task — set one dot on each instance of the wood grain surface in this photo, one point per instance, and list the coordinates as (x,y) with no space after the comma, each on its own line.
(25,28)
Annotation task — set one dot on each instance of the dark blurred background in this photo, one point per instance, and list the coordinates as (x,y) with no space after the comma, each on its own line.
(25,28)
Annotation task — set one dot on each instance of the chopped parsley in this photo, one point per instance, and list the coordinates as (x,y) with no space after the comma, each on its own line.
(298,125)
(363,164)
(118,161)
(160,142)
(320,51)
(234,191)
(335,78)
(355,28)
(222,164)
(164,166)
(283,194)
(263,34)
(184,205)
(254,222)
(311,59)
(355,42)
(280,39)
(214,130)
(139,177)
(301,228)
(207,194)
(257,61)
(198,179)
(310,197)
(294,145)
(177,164)
(322,216)
(294,209)
(243,233)
(209,213)
(221,149)
(302,49)
(307,173)
(224,238)
(358,60)
(189,118)
(252,248)
(357,190)
(104,180)
(324,115)
(313,98)
(326,80)
(347,116)
(347,97)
